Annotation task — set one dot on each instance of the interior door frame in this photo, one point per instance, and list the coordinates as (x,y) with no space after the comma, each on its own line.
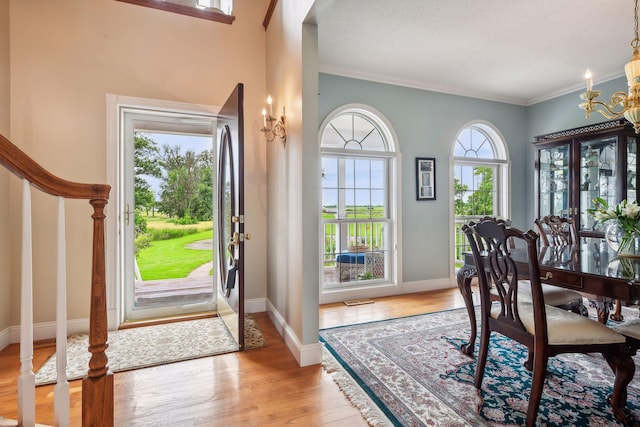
(114,268)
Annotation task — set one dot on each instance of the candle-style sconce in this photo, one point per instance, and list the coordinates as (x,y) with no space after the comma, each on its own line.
(273,127)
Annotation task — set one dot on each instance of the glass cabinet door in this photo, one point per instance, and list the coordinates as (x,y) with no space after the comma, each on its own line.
(632,165)
(554,181)
(598,177)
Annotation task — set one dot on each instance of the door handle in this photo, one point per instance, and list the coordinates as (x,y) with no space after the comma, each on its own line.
(126,214)
(239,237)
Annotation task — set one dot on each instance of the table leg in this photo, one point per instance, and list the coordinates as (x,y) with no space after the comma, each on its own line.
(617,315)
(624,368)
(603,306)
(464,276)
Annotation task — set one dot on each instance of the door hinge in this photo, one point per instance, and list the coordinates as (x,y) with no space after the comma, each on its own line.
(245,236)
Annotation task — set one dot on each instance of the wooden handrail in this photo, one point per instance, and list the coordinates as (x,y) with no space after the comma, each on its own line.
(97,386)
(21,165)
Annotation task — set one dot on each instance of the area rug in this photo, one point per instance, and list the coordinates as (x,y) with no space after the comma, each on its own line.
(409,372)
(153,345)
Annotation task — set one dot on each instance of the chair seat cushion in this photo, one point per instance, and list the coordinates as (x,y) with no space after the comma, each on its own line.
(553,295)
(630,328)
(565,327)
(350,258)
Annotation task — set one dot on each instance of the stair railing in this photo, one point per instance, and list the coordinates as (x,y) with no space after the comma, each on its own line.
(97,386)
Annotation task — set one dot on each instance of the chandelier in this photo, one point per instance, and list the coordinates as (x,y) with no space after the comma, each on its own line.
(621,103)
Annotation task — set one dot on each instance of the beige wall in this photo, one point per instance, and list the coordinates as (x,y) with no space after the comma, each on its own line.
(66,55)
(5,293)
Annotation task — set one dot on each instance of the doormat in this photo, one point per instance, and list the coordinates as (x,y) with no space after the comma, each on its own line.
(147,346)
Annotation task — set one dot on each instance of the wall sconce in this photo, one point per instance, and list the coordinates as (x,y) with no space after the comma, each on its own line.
(273,127)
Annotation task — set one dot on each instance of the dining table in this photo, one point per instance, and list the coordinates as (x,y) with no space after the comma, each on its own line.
(590,267)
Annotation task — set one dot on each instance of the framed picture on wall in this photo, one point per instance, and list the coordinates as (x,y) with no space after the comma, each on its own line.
(425,178)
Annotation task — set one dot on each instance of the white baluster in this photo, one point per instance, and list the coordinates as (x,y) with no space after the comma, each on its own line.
(27,381)
(61,390)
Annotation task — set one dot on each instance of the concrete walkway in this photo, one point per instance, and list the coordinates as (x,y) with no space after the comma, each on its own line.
(204,269)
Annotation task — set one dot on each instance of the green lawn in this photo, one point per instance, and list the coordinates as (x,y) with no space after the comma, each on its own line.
(171,259)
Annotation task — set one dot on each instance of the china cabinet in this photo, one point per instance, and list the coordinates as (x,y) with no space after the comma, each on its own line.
(575,166)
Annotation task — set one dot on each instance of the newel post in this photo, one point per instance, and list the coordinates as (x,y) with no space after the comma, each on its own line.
(97,386)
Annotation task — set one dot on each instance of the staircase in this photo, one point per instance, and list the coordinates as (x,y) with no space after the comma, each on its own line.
(97,386)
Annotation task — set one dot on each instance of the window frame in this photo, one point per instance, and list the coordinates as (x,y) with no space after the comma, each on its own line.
(181,9)
(501,164)
(391,199)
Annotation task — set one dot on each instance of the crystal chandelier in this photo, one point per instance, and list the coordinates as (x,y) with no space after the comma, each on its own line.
(621,103)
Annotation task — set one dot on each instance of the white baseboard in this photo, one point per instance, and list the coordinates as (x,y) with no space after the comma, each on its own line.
(305,355)
(387,290)
(255,305)
(4,338)
(47,330)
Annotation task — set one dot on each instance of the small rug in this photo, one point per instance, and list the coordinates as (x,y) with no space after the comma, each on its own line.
(153,345)
(410,372)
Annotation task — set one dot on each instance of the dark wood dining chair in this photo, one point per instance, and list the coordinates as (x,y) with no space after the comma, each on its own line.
(545,330)
(555,230)
(556,296)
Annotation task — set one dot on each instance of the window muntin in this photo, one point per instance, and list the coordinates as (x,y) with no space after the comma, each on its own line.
(353,131)
(475,189)
(474,143)
(354,187)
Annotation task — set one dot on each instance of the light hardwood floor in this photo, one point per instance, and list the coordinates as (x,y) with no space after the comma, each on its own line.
(260,387)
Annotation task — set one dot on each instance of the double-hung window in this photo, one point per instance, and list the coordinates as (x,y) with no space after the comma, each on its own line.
(357,213)
(480,179)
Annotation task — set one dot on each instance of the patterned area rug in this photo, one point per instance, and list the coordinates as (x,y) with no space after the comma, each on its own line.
(153,345)
(409,372)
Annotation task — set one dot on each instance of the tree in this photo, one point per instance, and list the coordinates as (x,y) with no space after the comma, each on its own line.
(459,189)
(187,188)
(146,162)
(480,201)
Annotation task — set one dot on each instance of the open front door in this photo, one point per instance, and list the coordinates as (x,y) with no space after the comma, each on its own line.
(230,223)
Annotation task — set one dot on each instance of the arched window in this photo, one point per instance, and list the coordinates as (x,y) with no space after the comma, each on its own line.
(480,178)
(357,220)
